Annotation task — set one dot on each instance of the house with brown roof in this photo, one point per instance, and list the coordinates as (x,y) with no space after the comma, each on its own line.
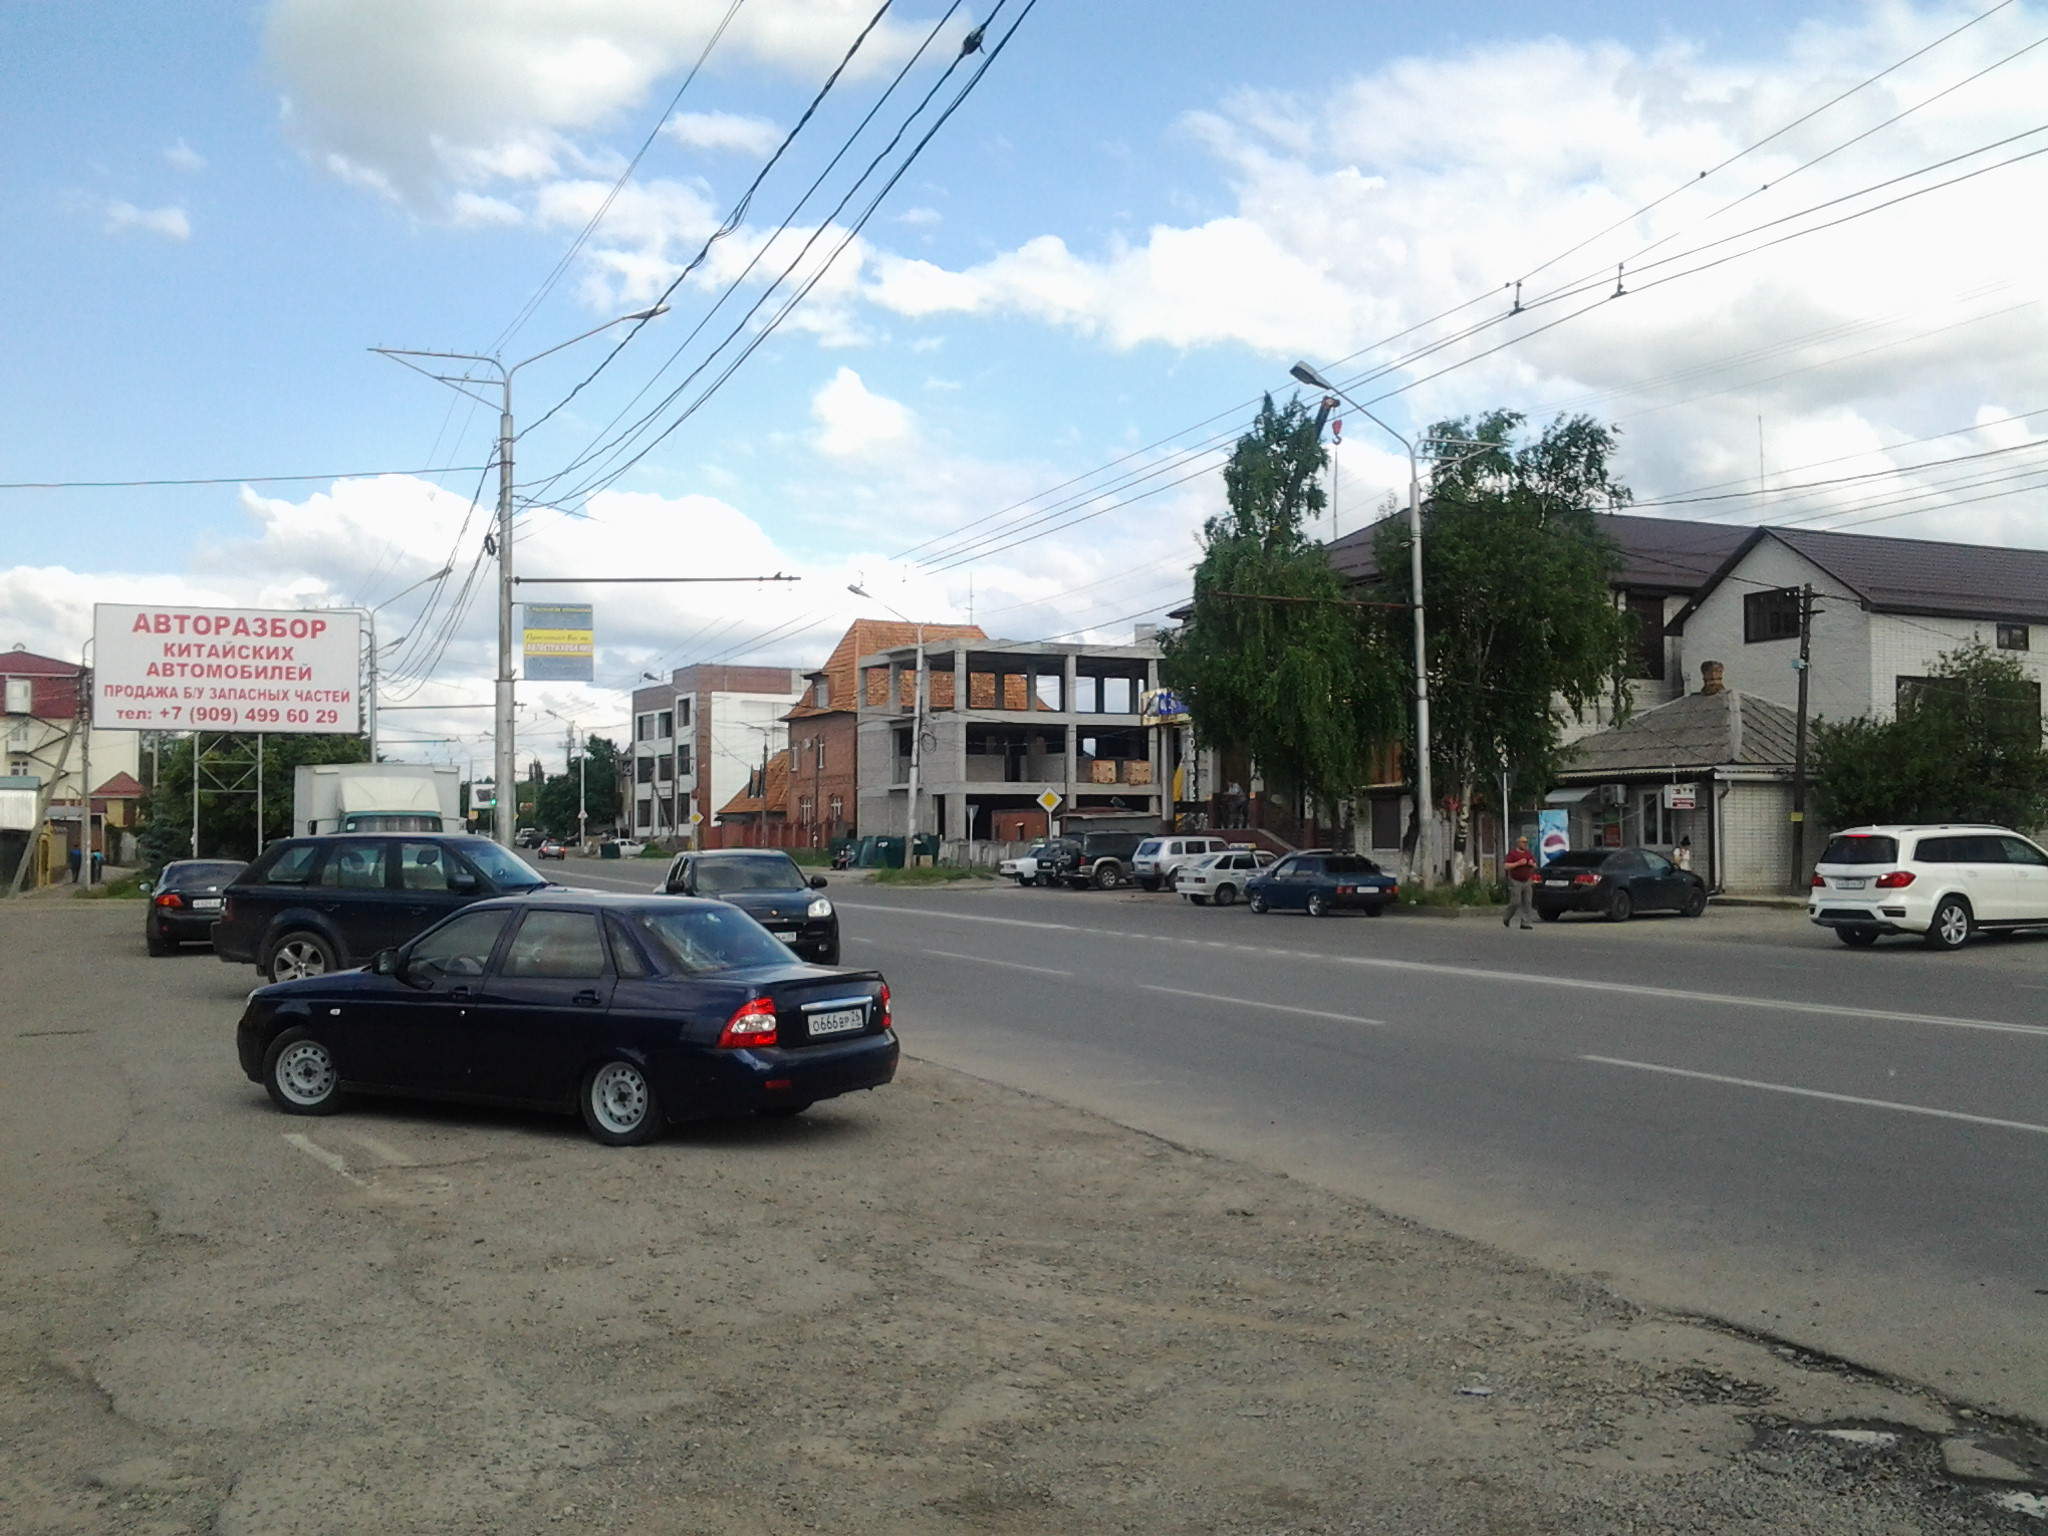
(824,727)
(758,816)
(40,701)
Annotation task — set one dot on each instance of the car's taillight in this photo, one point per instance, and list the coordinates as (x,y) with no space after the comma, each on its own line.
(1897,880)
(1588,878)
(1818,883)
(170,899)
(227,907)
(887,1018)
(1393,891)
(753,1024)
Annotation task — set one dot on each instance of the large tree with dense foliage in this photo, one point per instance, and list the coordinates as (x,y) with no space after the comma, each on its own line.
(227,822)
(1523,629)
(562,794)
(1275,659)
(1964,745)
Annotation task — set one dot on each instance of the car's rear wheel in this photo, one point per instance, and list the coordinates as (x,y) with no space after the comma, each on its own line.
(1376,909)
(1108,876)
(1027,879)
(1695,902)
(1258,901)
(618,1104)
(156,941)
(297,954)
(1225,895)
(1150,885)
(299,1074)
(1318,905)
(1620,907)
(1952,925)
(1857,938)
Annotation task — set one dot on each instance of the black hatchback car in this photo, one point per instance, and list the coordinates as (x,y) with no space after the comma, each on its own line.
(1617,883)
(767,885)
(184,903)
(309,905)
(633,1011)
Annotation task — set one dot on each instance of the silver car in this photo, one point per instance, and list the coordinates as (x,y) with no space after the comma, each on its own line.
(1158,858)
(1219,878)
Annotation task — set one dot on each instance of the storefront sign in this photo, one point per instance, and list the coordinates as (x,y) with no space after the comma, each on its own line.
(1681,797)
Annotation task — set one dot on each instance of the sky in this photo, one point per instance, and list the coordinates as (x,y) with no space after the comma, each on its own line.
(1005,395)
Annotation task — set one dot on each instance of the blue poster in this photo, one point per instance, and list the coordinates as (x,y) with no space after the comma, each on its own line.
(1553,835)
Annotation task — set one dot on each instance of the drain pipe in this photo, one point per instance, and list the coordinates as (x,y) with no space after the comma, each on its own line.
(1718,824)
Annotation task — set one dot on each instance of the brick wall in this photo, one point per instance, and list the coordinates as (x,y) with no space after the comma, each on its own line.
(1756,830)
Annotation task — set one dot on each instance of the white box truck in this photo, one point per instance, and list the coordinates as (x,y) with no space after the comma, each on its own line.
(376,797)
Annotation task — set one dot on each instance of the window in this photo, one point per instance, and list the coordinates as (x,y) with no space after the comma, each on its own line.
(1771,615)
(821,694)
(461,946)
(748,872)
(708,938)
(1656,863)
(425,867)
(20,764)
(293,865)
(838,807)
(355,867)
(683,713)
(643,770)
(561,945)
(1647,609)
(2014,637)
(1349,864)
(1386,823)
(804,808)
(683,761)
(1866,849)
(820,743)
(665,724)
(2019,851)
(1119,696)
(626,957)
(18,694)
(643,727)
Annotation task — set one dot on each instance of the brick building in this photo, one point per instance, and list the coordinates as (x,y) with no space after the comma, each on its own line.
(40,699)
(823,779)
(696,739)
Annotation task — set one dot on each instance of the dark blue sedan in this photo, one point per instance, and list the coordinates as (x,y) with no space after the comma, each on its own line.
(1319,882)
(634,1011)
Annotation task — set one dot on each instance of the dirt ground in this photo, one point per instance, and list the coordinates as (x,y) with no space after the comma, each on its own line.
(941,1307)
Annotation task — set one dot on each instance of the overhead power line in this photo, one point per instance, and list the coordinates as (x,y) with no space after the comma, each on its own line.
(127,485)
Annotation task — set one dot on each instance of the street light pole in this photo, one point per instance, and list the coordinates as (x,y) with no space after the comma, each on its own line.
(916,722)
(376,653)
(507,766)
(1425,795)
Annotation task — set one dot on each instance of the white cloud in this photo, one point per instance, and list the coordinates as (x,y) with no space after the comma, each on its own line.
(724,131)
(920,218)
(473,209)
(853,420)
(171,223)
(183,157)
(428,91)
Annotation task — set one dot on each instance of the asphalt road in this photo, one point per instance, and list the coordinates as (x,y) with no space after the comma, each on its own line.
(1733,1116)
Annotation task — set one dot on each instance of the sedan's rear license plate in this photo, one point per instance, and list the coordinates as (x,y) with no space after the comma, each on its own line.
(1855,884)
(206,904)
(1557,882)
(840,1021)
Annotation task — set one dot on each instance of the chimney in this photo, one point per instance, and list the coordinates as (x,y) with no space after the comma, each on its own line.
(1710,678)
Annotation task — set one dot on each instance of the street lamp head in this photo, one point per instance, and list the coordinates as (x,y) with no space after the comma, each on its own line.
(856,589)
(649,314)
(1312,379)
(649,677)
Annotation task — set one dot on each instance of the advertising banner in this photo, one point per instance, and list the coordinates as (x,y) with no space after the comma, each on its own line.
(176,667)
(559,643)
(1681,797)
(1553,835)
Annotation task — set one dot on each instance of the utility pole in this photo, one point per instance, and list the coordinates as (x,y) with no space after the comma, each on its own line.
(85,772)
(1799,870)
(507,754)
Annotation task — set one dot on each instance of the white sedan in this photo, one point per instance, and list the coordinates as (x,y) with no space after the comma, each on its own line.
(1219,879)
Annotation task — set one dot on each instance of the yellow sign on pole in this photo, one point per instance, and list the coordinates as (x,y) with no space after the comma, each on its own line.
(696,817)
(1050,800)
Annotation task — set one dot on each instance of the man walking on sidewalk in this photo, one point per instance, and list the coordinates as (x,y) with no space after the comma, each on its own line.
(1521,873)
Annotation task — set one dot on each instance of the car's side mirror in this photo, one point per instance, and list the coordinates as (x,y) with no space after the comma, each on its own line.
(458,880)
(384,963)
(817,882)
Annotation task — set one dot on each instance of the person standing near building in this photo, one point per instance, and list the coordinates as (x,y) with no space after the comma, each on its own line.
(1520,869)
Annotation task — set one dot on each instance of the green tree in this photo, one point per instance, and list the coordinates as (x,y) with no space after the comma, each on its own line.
(1965,745)
(227,822)
(1523,631)
(1274,659)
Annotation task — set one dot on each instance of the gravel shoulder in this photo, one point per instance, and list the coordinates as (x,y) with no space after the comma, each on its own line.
(942,1307)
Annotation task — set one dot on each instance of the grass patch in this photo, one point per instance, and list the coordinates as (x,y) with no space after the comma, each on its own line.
(810,858)
(127,888)
(652,852)
(929,874)
(1467,893)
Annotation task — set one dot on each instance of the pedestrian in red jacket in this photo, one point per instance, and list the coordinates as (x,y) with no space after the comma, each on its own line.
(1521,873)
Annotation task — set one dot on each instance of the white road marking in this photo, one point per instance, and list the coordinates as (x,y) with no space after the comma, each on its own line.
(1013,965)
(1519,978)
(1816,1093)
(320,1154)
(382,1150)
(1245,1002)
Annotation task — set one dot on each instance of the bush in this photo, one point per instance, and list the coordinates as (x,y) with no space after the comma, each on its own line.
(930,874)
(811,858)
(1471,892)
(127,888)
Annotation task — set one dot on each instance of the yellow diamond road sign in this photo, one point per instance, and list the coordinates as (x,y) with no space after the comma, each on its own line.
(1050,800)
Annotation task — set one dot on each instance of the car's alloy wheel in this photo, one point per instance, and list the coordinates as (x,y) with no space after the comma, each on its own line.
(1258,901)
(1108,877)
(300,954)
(1857,938)
(300,1075)
(619,1107)
(1317,906)
(1952,924)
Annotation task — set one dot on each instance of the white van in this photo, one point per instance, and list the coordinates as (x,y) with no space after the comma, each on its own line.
(1158,857)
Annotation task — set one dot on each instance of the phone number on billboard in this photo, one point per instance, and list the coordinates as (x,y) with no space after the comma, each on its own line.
(227,714)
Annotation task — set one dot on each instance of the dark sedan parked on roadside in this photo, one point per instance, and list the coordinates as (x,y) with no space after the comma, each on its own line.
(184,903)
(314,904)
(1616,883)
(633,1011)
(1319,882)
(767,885)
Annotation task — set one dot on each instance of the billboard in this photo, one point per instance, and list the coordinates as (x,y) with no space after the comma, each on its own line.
(558,642)
(177,667)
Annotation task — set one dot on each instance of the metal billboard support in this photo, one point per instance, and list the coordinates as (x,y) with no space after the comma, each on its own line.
(231,774)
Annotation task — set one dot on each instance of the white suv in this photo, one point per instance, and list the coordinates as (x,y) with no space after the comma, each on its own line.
(1942,882)
(1158,857)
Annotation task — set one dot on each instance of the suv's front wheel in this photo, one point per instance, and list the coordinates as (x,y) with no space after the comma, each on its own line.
(1952,925)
